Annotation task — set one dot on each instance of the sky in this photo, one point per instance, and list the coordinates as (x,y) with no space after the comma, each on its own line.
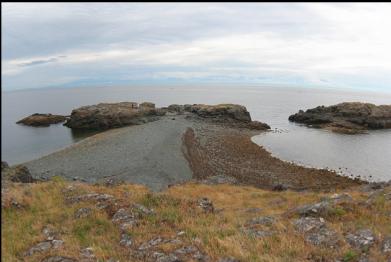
(343,45)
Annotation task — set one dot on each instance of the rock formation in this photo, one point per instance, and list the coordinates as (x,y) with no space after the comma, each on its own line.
(19,173)
(41,120)
(110,115)
(349,117)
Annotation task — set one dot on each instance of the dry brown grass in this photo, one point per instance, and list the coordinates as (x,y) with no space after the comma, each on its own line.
(218,234)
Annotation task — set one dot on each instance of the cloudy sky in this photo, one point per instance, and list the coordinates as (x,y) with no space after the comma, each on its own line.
(301,44)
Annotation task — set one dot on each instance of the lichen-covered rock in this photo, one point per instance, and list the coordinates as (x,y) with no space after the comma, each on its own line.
(314,210)
(38,248)
(323,237)
(352,117)
(362,239)
(42,120)
(306,224)
(110,115)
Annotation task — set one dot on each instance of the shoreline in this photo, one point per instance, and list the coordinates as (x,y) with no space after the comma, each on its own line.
(120,154)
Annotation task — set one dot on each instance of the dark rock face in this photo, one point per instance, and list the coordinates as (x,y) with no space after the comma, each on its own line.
(110,115)
(352,117)
(19,173)
(42,120)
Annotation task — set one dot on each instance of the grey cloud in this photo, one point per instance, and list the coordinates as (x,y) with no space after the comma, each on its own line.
(39,62)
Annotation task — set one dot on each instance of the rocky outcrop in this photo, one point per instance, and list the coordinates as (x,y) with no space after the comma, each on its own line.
(226,113)
(350,117)
(111,115)
(42,120)
(19,173)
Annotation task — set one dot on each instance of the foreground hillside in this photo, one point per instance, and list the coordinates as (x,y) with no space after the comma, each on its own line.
(69,221)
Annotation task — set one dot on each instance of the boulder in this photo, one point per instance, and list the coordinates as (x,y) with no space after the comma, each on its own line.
(111,115)
(348,117)
(42,120)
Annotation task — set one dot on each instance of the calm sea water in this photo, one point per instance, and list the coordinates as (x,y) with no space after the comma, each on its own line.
(367,155)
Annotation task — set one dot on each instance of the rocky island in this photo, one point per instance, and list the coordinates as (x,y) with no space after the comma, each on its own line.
(41,120)
(348,117)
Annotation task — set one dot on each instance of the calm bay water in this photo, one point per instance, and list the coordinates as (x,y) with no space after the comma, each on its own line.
(367,155)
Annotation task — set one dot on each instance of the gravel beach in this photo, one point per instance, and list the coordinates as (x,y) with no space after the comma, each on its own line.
(148,154)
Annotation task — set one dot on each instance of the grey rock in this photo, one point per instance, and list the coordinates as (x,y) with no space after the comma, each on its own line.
(90,197)
(362,239)
(341,198)
(56,243)
(323,237)
(83,212)
(256,233)
(306,224)
(186,250)
(38,248)
(151,243)
(386,245)
(125,240)
(49,233)
(143,209)
(318,209)
(87,252)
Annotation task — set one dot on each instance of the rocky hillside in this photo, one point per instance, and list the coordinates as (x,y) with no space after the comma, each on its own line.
(350,117)
(196,221)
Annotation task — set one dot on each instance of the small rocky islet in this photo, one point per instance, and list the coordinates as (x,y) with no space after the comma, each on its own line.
(348,117)
(43,120)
